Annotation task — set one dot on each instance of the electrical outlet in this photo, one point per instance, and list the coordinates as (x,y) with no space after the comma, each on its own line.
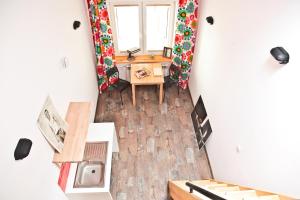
(238,148)
(65,62)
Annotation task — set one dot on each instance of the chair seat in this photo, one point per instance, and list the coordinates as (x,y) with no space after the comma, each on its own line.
(168,81)
(121,85)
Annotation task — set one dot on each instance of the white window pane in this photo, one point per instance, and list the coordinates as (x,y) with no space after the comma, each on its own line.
(157,22)
(127,23)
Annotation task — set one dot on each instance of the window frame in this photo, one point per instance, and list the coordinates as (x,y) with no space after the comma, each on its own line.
(142,4)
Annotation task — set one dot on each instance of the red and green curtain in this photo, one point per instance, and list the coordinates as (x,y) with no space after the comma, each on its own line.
(185,38)
(183,50)
(102,35)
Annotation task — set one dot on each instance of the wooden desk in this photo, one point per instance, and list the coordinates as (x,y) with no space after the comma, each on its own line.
(142,59)
(78,120)
(149,80)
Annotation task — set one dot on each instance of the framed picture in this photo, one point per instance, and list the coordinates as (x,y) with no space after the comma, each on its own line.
(205,131)
(167,53)
(202,128)
(199,114)
(195,120)
(52,126)
(200,110)
(200,144)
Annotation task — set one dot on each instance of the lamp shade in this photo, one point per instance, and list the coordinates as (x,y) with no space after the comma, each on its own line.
(22,149)
(76,24)
(210,20)
(280,54)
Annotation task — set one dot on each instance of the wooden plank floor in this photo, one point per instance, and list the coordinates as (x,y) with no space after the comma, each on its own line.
(157,143)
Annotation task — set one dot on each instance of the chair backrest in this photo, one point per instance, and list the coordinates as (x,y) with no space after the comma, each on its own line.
(173,67)
(174,71)
(112,71)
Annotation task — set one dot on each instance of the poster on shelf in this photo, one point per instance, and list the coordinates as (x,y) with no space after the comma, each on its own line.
(52,125)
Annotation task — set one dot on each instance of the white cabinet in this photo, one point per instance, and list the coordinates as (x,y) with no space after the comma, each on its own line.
(98,132)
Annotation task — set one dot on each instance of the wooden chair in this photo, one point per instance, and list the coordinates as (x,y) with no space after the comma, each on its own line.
(120,84)
(174,72)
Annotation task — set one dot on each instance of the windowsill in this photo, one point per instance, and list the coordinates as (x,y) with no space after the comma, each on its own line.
(142,59)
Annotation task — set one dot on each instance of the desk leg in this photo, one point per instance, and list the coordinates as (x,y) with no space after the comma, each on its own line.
(161,93)
(133,94)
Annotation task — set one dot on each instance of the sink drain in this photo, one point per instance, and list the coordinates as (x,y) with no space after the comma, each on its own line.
(93,171)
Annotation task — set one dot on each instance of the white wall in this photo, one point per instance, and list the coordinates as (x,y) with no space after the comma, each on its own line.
(251,100)
(34,37)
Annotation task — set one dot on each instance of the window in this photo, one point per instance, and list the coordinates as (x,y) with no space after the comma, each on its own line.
(157,27)
(148,25)
(127,27)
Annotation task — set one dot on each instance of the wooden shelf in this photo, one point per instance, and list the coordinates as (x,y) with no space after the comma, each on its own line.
(142,59)
(78,120)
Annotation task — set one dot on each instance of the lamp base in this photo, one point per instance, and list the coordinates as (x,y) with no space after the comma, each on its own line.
(131,58)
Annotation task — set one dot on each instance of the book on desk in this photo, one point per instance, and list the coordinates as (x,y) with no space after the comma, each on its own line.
(157,71)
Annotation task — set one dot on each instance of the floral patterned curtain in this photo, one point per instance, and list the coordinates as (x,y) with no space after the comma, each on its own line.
(102,35)
(185,38)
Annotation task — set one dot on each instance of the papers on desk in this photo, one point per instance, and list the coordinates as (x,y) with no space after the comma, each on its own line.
(157,71)
(142,73)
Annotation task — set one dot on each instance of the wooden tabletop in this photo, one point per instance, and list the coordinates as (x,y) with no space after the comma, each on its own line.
(149,80)
(78,121)
(142,59)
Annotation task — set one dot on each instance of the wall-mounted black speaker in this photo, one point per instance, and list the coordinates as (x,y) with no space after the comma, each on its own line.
(76,24)
(23,148)
(210,20)
(280,54)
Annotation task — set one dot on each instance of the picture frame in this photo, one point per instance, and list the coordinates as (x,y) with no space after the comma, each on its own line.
(200,122)
(203,133)
(199,114)
(200,110)
(52,125)
(206,131)
(167,53)
(200,144)
(195,121)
